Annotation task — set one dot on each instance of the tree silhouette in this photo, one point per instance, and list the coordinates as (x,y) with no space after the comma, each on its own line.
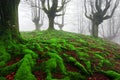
(98,12)
(37,14)
(9,29)
(52,8)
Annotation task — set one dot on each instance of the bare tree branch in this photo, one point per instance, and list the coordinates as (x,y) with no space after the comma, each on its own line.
(98,14)
(43,6)
(89,17)
(113,10)
(63,3)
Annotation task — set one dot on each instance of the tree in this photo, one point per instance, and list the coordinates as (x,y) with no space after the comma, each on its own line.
(9,29)
(61,25)
(37,14)
(99,13)
(52,8)
(11,44)
(112,30)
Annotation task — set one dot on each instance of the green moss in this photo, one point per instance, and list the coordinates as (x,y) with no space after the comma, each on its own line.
(14,48)
(66,78)
(34,46)
(54,62)
(100,53)
(82,50)
(105,62)
(112,74)
(89,67)
(28,51)
(82,54)
(49,75)
(83,42)
(3,78)
(37,47)
(117,56)
(70,47)
(53,57)
(59,61)
(2,63)
(9,69)
(24,71)
(76,76)
(82,68)
(51,64)
(71,59)
(4,56)
(77,64)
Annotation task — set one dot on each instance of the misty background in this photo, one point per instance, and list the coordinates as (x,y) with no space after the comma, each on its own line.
(75,20)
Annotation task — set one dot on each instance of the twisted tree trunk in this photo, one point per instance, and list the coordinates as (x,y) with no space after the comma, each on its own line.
(94,30)
(37,27)
(9,19)
(51,23)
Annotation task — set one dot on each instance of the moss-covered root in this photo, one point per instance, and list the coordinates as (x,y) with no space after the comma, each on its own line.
(2,78)
(4,56)
(33,54)
(9,69)
(76,76)
(112,75)
(24,71)
(70,59)
(54,62)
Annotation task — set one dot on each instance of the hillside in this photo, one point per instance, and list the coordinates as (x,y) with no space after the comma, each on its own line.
(60,55)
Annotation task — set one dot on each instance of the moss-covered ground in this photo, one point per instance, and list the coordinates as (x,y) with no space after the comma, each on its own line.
(60,55)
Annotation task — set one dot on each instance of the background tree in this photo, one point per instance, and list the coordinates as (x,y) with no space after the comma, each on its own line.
(52,8)
(61,25)
(9,29)
(112,30)
(80,17)
(37,14)
(99,13)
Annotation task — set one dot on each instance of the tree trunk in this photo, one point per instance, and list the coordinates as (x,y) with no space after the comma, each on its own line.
(61,27)
(37,26)
(9,19)
(94,30)
(51,23)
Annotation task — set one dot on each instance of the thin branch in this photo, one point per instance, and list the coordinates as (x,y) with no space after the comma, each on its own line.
(89,17)
(113,10)
(63,3)
(106,7)
(43,6)
(48,3)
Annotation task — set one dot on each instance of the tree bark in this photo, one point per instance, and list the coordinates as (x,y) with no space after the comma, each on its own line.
(9,28)
(61,27)
(37,26)
(94,30)
(51,23)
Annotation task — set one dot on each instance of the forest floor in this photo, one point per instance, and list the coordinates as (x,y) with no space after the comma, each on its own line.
(61,55)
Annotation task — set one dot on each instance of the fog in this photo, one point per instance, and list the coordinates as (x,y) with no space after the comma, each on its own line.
(75,20)
(71,17)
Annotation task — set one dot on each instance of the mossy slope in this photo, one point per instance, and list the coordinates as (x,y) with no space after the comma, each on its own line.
(59,55)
